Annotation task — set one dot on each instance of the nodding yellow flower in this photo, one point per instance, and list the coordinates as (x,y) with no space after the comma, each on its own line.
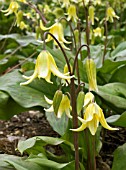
(13,7)
(91,74)
(72,13)
(91,14)
(92,116)
(89,98)
(97,32)
(66,3)
(97,2)
(63,107)
(45,65)
(57,30)
(22,25)
(111,14)
(86,2)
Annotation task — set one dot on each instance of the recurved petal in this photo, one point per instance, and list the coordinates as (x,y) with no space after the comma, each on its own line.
(67,111)
(55,70)
(43,64)
(50,109)
(92,125)
(81,128)
(48,100)
(48,77)
(30,79)
(104,123)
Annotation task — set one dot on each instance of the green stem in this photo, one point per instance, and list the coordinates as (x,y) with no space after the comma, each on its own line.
(106,40)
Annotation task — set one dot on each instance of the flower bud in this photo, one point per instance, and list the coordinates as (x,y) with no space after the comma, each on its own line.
(80,101)
(57,100)
(91,74)
(91,14)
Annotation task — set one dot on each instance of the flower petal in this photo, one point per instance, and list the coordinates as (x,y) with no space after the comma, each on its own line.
(50,109)
(48,100)
(104,123)
(55,70)
(82,127)
(43,64)
(93,124)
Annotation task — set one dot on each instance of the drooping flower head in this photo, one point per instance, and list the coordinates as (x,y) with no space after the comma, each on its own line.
(13,7)
(45,65)
(111,14)
(64,106)
(57,30)
(93,114)
(72,15)
(65,3)
(97,32)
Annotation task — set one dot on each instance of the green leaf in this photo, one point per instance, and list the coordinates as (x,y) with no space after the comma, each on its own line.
(23,40)
(119,162)
(3,99)
(114,93)
(116,76)
(120,51)
(117,120)
(44,140)
(48,163)
(58,125)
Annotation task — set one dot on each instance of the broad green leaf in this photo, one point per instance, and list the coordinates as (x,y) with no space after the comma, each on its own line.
(13,107)
(26,96)
(23,40)
(116,76)
(109,66)
(3,99)
(114,93)
(58,125)
(24,165)
(48,163)
(119,50)
(44,140)
(117,120)
(119,162)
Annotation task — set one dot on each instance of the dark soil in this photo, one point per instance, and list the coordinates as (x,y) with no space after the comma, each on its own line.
(34,123)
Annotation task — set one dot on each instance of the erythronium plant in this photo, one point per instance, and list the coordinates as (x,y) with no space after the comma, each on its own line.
(83,111)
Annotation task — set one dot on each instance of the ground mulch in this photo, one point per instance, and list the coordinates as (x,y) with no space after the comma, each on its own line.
(34,123)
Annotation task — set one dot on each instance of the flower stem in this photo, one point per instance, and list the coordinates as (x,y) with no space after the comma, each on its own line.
(90,140)
(63,51)
(75,123)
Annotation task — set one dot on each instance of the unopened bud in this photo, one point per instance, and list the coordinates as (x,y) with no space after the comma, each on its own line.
(91,74)
(80,101)
(57,100)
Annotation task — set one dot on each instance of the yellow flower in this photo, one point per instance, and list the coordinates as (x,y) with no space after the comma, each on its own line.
(91,74)
(13,7)
(111,14)
(57,30)
(72,13)
(22,25)
(63,107)
(97,32)
(91,14)
(45,65)
(89,98)
(66,3)
(97,2)
(92,116)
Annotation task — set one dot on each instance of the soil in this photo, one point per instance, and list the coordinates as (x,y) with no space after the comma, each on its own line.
(34,123)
